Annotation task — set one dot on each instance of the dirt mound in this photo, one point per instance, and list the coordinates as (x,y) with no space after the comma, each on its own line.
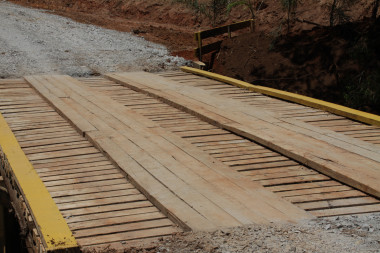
(339,64)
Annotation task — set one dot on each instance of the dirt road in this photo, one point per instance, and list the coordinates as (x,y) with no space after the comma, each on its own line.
(35,42)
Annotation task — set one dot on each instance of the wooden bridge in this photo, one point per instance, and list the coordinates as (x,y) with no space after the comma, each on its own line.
(125,159)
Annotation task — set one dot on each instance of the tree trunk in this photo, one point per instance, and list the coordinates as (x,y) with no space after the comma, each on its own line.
(375,8)
(332,12)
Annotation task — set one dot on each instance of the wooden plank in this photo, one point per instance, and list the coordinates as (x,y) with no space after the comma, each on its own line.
(56,147)
(284,174)
(61,182)
(62,153)
(89,190)
(105,169)
(149,144)
(293,180)
(139,153)
(353,169)
(355,146)
(74,161)
(118,138)
(224,29)
(96,224)
(111,214)
(256,160)
(43,142)
(347,210)
(42,170)
(276,170)
(314,190)
(43,130)
(334,203)
(80,175)
(107,208)
(326,196)
(100,202)
(47,136)
(215,46)
(139,156)
(125,236)
(245,169)
(123,228)
(155,191)
(98,195)
(86,185)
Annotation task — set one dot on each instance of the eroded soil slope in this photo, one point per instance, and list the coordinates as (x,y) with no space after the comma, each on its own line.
(339,64)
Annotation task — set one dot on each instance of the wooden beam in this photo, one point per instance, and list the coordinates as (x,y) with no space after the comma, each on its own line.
(223,29)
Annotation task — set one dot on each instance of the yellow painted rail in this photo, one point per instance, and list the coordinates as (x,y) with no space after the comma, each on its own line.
(49,222)
(364,117)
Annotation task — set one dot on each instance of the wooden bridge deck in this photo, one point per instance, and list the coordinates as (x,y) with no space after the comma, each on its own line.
(129,158)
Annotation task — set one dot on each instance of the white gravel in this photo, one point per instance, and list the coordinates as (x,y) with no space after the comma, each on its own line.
(35,42)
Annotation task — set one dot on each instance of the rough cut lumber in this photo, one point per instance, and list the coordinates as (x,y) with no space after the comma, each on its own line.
(339,163)
(196,194)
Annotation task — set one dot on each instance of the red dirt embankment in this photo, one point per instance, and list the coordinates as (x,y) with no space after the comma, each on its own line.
(339,64)
(173,24)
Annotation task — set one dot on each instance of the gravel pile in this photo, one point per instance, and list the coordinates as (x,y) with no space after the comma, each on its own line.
(352,233)
(35,42)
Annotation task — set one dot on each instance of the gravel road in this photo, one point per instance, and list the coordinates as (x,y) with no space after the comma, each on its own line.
(36,42)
